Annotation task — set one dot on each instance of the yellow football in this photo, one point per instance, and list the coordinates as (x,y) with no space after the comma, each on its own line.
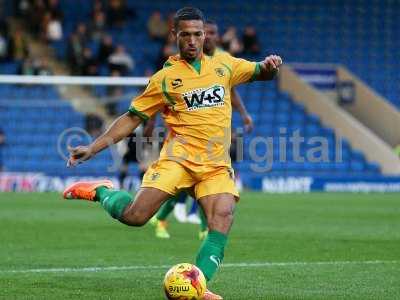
(184,282)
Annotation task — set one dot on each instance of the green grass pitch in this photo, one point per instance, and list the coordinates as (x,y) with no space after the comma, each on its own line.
(300,246)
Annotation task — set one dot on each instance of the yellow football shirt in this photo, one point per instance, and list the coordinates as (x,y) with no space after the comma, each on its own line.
(196,107)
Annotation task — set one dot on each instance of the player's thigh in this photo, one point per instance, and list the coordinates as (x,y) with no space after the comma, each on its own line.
(147,202)
(168,176)
(219,209)
(219,181)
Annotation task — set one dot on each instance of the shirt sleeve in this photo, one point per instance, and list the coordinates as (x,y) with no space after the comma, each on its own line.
(243,71)
(149,102)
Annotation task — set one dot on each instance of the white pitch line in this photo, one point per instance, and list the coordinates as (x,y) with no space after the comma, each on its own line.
(228,265)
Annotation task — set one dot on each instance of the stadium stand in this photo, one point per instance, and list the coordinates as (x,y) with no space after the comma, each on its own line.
(354,41)
(359,34)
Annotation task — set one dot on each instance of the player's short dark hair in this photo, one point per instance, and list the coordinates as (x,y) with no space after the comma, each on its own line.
(188,13)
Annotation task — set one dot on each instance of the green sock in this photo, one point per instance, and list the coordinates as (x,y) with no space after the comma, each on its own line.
(203,219)
(166,209)
(113,201)
(211,253)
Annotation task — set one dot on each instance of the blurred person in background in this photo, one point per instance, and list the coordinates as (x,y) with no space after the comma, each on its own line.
(167,50)
(89,63)
(4,40)
(76,44)
(18,46)
(114,93)
(3,47)
(52,28)
(157,27)
(106,47)
(93,125)
(250,41)
(97,26)
(231,42)
(43,68)
(121,61)
(53,6)
(118,12)
(27,67)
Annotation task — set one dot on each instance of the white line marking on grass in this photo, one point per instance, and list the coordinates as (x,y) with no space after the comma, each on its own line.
(228,265)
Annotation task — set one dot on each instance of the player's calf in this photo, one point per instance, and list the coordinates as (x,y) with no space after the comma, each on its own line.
(219,211)
(145,205)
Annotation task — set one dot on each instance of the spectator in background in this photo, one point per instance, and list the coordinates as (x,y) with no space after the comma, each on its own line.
(105,49)
(93,125)
(89,63)
(157,27)
(231,42)
(3,40)
(75,53)
(27,67)
(82,34)
(170,22)
(3,47)
(250,41)
(117,13)
(97,7)
(53,6)
(97,26)
(18,46)
(2,143)
(121,61)
(114,92)
(42,67)
(76,44)
(36,12)
(53,28)
(167,50)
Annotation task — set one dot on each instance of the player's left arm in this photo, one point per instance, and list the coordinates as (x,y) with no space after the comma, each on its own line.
(237,104)
(243,71)
(269,67)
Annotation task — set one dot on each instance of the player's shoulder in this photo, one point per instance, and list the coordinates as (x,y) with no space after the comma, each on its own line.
(221,53)
(223,56)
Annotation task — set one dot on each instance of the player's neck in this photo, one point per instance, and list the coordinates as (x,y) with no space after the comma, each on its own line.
(191,60)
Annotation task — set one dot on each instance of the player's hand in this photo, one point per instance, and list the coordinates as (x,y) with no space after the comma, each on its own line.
(248,123)
(273,62)
(78,155)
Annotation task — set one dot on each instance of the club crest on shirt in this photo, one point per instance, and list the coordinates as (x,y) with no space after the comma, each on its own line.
(155,176)
(220,72)
(204,97)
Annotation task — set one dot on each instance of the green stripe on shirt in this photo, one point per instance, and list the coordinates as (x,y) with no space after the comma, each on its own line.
(141,115)
(166,94)
(257,71)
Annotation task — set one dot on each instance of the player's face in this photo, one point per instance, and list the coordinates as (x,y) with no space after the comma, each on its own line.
(190,38)
(212,38)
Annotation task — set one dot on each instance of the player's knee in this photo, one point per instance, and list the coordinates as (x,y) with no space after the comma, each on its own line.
(221,219)
(134,218)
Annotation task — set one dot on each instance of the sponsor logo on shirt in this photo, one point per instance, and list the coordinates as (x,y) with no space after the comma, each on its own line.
(176,83)
(204,98)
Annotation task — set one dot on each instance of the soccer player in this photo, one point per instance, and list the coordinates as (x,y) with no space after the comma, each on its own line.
(193,93)
(211,49)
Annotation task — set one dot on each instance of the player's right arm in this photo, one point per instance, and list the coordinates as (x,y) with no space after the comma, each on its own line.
(142,108)
(120,128)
